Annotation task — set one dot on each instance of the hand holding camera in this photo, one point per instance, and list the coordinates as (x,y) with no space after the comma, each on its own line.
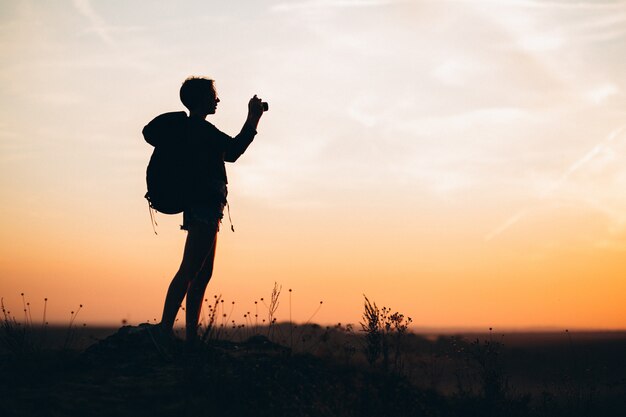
(256,106)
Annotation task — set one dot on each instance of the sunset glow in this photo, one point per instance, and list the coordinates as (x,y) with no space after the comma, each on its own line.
(461,162)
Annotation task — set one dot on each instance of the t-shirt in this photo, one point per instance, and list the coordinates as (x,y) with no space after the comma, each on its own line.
(208,149)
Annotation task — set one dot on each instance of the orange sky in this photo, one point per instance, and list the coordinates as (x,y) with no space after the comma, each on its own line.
(463,163)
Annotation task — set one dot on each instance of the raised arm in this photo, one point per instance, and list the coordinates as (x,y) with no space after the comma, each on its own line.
(238,145)
(255,111)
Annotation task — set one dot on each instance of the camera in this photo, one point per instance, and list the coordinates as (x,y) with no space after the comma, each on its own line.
(266,106)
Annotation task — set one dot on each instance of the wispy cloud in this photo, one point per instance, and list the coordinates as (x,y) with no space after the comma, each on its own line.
(599,94)
(98,25)
(565,4)
(461,122)
(457,70)
(507,224)
(326,4)
(600,26)
(533,26)
(610,21)
(598,150)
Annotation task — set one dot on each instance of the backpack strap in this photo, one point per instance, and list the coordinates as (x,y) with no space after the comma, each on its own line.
(152,214)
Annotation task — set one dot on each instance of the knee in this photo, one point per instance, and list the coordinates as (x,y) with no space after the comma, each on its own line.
(187,273)
(191,267)
(203,277)
(207,270)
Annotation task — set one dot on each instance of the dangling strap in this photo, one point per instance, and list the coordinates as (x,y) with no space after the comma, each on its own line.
(152,220)
(229,219)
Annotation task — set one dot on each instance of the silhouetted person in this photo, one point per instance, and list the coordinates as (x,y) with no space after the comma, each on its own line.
(208,149)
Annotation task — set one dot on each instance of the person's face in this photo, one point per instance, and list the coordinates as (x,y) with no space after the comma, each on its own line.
(212,101)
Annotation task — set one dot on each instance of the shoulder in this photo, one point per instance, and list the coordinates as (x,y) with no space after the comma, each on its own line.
(203,132)
(202,126)
(212,128)
(213,131)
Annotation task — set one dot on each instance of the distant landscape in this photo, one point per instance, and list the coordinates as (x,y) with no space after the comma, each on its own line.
(311,370)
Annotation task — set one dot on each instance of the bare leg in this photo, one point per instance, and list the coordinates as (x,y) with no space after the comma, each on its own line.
(198,244)
(195,294)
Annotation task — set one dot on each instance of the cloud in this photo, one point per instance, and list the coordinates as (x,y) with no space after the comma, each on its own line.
(565,4)
(327,4)
(462,122)
(603,26)
(599,94)
(97,23)
(456,71)
(605,22)
(535,31)
(507,224)
(541,42)
(598,151)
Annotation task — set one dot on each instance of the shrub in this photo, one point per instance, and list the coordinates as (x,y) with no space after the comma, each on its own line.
(382,330)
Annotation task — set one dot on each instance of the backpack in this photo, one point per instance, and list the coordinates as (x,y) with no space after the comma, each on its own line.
(168,177)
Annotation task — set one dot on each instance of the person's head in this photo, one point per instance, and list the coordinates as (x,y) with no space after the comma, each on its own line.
(199,96)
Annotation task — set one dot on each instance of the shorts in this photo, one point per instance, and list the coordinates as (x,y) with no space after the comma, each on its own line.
(210,212)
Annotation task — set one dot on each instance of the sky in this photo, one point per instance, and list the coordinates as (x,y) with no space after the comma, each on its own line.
(461,162)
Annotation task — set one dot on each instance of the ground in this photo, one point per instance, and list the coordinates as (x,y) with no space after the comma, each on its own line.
(130,373)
